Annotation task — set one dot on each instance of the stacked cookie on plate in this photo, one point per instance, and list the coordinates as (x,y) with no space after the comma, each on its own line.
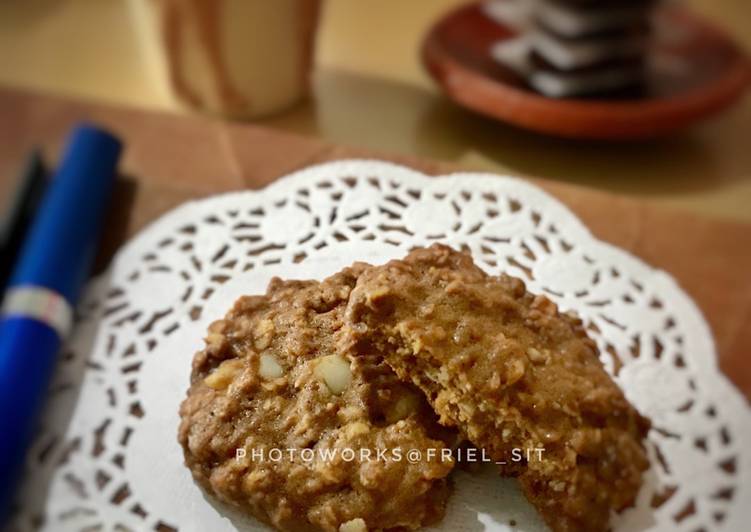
(342,405)
(589,47)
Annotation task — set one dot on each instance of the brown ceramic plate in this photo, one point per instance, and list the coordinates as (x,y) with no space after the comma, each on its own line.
(456,52)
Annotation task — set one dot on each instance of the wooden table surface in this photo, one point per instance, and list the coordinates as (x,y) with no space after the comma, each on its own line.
(371,92)
(170,159)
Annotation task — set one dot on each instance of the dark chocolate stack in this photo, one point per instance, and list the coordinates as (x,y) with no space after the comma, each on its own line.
(589,47)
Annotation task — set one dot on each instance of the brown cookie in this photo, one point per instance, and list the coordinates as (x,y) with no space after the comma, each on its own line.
(275,374)
(512,374)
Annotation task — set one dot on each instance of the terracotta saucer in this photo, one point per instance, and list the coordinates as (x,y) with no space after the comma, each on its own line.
(715,72)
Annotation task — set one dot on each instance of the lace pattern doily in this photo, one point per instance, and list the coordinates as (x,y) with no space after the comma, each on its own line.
(106,457)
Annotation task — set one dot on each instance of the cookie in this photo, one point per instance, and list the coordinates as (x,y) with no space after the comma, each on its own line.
(513,374)
(618,78)
(278,414)
(588,48)
(576,19)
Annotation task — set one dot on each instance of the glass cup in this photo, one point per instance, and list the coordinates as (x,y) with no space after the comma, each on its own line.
(236,58)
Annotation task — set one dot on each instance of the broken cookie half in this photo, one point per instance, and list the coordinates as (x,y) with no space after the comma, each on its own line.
(512,374)
(283,423)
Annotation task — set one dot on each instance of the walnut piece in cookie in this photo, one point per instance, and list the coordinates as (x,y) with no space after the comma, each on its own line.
(512,374)
(279,414)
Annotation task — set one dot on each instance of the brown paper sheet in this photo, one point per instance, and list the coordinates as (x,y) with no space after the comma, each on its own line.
(170,159)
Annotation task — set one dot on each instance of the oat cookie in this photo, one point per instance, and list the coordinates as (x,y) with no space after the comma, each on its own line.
(511,372)
(275,374)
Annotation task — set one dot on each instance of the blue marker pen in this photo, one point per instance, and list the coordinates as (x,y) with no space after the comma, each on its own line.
(38,306)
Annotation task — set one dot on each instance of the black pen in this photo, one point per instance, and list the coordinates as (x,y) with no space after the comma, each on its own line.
(18,210)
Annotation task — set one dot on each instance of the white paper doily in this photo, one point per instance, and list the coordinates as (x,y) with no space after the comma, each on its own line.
(107,456)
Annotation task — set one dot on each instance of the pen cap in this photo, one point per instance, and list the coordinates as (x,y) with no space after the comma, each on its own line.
(61,242)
